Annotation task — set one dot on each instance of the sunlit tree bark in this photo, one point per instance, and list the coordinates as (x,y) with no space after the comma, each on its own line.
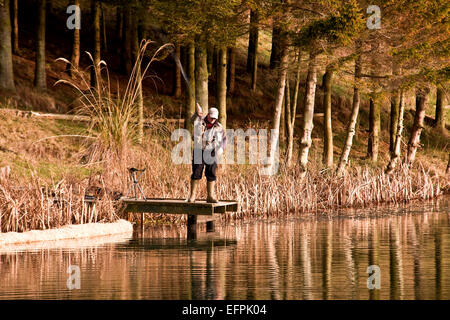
(222,86)
(395,155)
(96,42)
(354,115)
(291,115)
(414,140)
(308,113)
(374,128)
(439,119)
(282,74)
(15,26)
(75,57)
(231,69)
(328,129)
(6,65)
(191,91)
(39,71)
(201,75)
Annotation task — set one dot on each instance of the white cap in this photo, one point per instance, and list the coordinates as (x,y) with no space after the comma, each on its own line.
(213,113)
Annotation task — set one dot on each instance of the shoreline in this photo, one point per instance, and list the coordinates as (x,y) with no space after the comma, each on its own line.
(67,232)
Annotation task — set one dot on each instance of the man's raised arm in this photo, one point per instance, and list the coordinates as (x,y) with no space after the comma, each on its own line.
(198,113)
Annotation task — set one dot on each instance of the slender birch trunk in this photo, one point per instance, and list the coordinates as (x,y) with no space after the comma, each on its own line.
(328,129)
(374,128)
(308,113)
(282,137)
(6,64)
(96,42)
(201,75)
(414,140)
(285,115)
(39,72)
(343,161)
(75,57)
(191,90)
(395,155)
(292,116)
(395,114)
(395,109)
(222,87)
(439,119)
(278,103)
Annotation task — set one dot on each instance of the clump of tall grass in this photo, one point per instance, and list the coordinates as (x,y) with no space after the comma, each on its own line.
(115,118)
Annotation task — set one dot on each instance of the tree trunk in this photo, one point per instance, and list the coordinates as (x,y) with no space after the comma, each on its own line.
(39,71)
(96,42)
(292,116)
(75,57)
(177,76)
(354,116)
(222,87)
(210,59)
(191,87)
(126,63)
(414,140)
(278,104)
(201,76)
(105,42)
(395,110)
(231,69)
(134,45)
(252,56)
(439,119)
(286,115)
(328,130)
(374,128)
(15,26)
(282,134)
(275,52)
(6,64)
(308,113)
(395,155)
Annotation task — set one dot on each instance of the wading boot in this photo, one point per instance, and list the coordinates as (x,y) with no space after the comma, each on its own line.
(194,186)
(211,198)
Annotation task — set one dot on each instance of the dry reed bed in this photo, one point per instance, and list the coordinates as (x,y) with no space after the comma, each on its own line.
(32,206)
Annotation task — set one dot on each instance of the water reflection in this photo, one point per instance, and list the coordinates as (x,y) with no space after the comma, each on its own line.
(296,259)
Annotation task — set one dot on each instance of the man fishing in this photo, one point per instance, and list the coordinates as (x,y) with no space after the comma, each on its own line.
(209,142)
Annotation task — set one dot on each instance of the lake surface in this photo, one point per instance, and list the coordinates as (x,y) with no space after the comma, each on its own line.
(314,258)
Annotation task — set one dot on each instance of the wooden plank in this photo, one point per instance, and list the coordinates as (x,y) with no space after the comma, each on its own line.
(172,209)
(175,206)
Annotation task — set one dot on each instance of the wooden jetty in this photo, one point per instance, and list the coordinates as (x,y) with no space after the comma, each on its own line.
(177,206)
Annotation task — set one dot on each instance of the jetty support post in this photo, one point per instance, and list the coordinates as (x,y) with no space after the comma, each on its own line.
(191,226)
(210,226)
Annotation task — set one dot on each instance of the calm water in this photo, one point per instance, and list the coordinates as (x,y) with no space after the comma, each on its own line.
(295,259)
